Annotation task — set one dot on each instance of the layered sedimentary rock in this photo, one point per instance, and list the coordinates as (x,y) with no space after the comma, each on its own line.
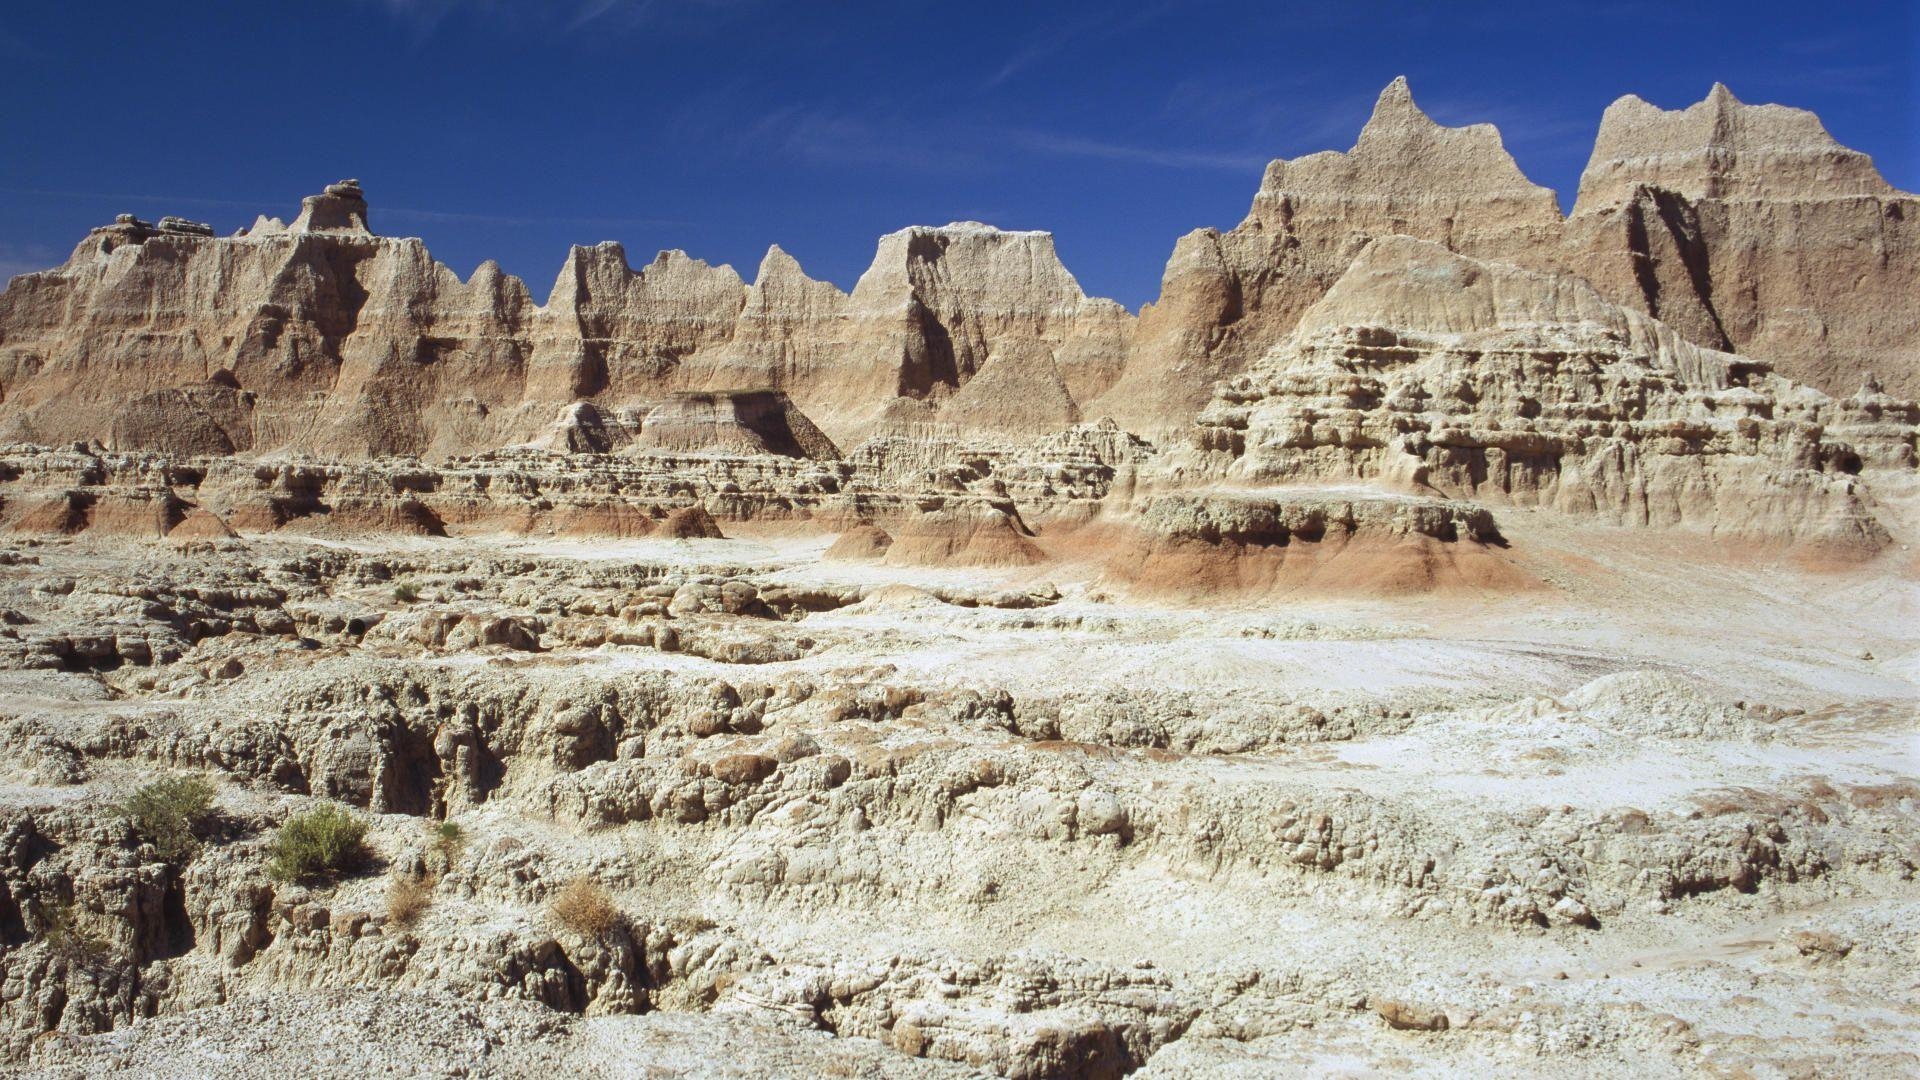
(1745,228)
(775,680)
(1232,543)
(1429,371)
(322,336)
(1751,229)
(742,421)
(974,502)
(1413,312)
(1227,297)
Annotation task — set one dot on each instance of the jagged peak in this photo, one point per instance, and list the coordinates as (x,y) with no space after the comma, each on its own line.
(781,280)
(1396,106)
(778,266)
(1721,147)
(580,255)
(676,261)
(340,208)
(1403,151)
(1397,117)
(488,274)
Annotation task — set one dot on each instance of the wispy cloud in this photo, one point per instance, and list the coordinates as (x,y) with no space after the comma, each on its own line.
(824,134)
(1282,116)
(1058,37)
(405,213)
(1838,43)
(1853,80)
(557,17)
(1538,129)
(879,134)
(1057,144)
(17,259)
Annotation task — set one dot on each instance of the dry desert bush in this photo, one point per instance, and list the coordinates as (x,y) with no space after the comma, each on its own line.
(585,907)
(408,897)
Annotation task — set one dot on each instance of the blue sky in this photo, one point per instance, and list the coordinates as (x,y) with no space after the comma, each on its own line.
(509,129)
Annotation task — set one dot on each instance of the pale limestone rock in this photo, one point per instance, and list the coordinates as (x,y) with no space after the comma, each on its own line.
(1743,228)
(1722,148)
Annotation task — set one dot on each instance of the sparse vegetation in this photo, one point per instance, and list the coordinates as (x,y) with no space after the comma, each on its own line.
(408,897)
(585,907)
(406,592)
(324,842)
(60,929)
(171,813)
(446,840)
(449,838)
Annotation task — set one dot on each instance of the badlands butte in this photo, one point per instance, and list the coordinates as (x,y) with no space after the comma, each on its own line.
(1440,635)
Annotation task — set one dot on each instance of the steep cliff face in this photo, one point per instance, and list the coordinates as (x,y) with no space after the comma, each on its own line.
(1228,297)
(930,313)
(247,343)
(1430,372)
(324,337)
(1750,228)
(976,289)
(1742,227)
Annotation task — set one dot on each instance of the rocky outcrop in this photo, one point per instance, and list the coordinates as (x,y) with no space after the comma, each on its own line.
(1428,371)
(1709,249)
(738,422)
(1745,228)
(977,290)
(748,824)
(322,336)
(1227,297)
(1210,544)
(1751,229)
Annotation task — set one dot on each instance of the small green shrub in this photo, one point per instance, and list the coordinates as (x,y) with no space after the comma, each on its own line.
(61,930)
(324,842)
(406,592)
(171,813)
(449,839)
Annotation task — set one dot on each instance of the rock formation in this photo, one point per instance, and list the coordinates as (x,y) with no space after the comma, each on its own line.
(1427,370)
(1438,636)
(1754,209)
(1753,230)
(323,337)
(1745,228)
(737,422)
(1227,297)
